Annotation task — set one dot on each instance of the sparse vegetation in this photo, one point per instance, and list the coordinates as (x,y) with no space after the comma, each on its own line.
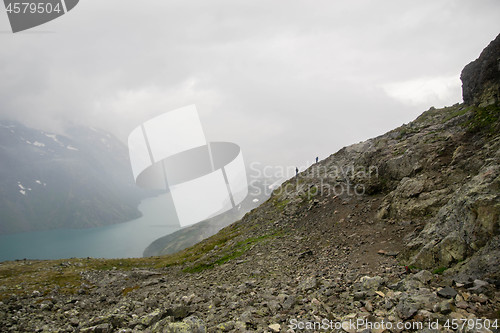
(42,276)
(64,275)
(439,270)
(402,133)
(280,204)
(398,152)
(434,138)
(427,115)
(237,251)
(458,112)
(484,119)
(442,115)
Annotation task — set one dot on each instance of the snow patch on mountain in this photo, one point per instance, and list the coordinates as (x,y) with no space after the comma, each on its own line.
(38,144)
(54,137)
(22,189)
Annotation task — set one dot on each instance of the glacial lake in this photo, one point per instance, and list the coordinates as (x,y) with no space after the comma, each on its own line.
(123,240)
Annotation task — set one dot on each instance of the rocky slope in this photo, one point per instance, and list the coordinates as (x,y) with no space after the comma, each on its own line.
(396,232)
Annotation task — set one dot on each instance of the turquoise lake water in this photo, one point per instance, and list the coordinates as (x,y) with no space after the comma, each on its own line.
(124,240)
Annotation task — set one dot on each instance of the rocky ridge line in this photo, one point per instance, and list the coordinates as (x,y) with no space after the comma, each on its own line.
(400,228)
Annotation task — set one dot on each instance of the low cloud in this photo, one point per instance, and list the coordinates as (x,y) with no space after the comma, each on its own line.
(436,91)
(286,81)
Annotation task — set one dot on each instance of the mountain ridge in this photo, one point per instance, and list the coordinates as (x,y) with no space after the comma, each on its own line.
(401,228)
(52,181)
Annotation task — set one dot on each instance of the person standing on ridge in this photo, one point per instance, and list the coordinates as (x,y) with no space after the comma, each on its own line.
(316,159)
(296,171)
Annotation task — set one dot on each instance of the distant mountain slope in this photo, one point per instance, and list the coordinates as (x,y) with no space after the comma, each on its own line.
(191,235)
(52,181)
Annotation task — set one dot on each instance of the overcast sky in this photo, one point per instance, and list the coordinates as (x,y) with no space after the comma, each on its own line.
(286,80)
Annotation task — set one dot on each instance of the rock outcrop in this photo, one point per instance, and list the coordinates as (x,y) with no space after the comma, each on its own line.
(481,78)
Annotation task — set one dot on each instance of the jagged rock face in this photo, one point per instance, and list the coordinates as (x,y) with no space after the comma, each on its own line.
(481,78)
(468,222)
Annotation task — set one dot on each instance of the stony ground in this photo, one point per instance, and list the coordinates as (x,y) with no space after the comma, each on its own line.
(401,229)
(329,259)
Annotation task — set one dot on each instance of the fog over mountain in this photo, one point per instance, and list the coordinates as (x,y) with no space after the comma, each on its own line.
(50,181)
(299,79)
